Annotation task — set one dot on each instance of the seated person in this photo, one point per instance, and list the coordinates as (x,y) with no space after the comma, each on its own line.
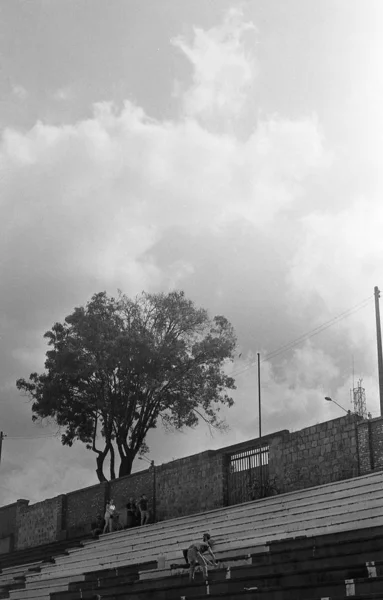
(97,526)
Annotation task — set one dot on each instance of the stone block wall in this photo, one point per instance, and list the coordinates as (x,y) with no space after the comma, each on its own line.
(330,451)
(82,507)
(132,486)
(190,485)
(376,428)
(7,527)
(370,440)
(40,523)
(364,443)
(315,455)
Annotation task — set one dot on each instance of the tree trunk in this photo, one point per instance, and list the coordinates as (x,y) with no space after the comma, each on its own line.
(125,465)
(112,461)
(100,466)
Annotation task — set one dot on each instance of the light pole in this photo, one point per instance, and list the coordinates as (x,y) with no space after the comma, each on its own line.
(151,462)
(340,406)
(260,424)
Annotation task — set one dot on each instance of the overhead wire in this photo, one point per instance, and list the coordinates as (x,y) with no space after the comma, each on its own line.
(271,355)
(309,334)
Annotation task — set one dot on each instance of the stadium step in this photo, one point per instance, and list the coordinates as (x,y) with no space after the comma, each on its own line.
(336,508)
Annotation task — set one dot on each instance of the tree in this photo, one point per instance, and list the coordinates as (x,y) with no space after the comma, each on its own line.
(117,366)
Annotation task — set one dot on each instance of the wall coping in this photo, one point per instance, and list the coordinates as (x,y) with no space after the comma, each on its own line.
(135,474)
(8,506)
(253,442)
(89,487)
(374,420)
(220,451)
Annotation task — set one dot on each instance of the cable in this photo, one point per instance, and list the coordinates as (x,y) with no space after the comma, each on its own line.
(320,328)
(309,334)
(38,437)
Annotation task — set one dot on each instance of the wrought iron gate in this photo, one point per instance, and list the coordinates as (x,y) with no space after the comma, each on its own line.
(245,477)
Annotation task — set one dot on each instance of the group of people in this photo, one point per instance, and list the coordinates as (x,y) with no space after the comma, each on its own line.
(137,514)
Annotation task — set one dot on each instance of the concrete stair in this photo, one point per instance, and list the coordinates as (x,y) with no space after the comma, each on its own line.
(15,565)
(251,529)
(295,568)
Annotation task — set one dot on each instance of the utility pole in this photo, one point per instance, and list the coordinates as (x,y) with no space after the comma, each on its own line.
(260,424)
(379,342)
(2,436)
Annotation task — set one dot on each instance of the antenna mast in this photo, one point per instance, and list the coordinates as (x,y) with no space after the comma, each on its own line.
(360,407)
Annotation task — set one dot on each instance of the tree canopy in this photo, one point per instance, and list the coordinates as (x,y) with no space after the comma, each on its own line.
(116,366)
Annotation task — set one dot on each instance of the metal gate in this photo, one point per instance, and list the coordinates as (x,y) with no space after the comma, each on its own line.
(244,476)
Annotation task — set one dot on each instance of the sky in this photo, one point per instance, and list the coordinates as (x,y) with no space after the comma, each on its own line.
(229,149)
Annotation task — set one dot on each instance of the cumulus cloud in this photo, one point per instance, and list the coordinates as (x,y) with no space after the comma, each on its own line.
(121,200)
(223,70)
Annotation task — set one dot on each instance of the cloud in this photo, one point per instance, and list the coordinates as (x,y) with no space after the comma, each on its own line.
(53,470)
(19,92)
(64,94)
(122,200)
(223,70)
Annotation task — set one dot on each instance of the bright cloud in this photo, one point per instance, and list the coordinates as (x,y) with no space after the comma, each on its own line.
(223,69)
(122,200)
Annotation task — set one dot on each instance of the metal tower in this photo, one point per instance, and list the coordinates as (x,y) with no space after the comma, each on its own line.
(359,394)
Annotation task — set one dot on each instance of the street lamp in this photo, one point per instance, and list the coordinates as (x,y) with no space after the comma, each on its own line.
(151,462)
(337,403)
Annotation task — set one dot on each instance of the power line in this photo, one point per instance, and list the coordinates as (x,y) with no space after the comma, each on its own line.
(319,329)
(38,437)
(309,334)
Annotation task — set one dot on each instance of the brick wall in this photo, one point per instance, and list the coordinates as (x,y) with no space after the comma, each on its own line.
(40,523)
(190,485)
(315,455)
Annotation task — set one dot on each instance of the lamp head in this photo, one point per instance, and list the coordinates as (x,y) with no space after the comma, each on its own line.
(328,399)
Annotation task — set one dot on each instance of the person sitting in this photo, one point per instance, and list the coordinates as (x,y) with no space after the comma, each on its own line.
(109,512)
(117,524)
(143,506)
(195,554)
(131,510)
(97,526)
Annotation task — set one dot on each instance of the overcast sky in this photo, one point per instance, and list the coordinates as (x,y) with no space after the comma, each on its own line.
(232,150)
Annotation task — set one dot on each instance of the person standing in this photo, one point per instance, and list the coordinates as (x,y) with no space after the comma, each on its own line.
(131,510)
(109,512)
(143,506)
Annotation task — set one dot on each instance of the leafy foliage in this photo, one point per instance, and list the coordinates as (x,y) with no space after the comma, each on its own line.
(117,365)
